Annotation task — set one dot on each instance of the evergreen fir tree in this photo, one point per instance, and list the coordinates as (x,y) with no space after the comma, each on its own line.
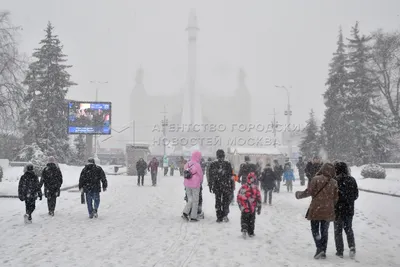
(335,125)
(44,121)
(309,146)
(367,130)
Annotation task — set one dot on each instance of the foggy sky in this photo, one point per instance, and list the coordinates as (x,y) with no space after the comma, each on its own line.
(276,42)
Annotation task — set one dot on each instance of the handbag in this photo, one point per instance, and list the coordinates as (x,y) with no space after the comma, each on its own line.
(319,191)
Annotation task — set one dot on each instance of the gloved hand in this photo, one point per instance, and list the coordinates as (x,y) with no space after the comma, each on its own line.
(211,189)
(40,197)
(259,210)
(104,189)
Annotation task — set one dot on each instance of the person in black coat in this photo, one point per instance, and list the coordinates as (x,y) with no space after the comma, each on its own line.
(246,168)
(52,180)
(89,183)
(268,182)
(312,168)
(141,167)
(221,184)
(301,165)
(278,169)
(344,209)
(29,191)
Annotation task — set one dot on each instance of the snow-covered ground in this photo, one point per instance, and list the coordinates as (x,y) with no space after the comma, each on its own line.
(141,226)
(390,185)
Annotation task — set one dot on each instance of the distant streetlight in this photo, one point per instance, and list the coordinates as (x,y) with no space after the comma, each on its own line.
(288,113)
(97,95)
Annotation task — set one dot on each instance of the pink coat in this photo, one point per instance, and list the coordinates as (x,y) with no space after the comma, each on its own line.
(197,178)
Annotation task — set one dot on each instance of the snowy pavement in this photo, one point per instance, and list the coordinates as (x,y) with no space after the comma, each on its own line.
(141,226)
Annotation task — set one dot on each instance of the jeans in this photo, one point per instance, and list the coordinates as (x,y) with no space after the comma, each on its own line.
(154,178)
(319,230)
(268,192)
(346,224)
(138,179)
(247,221)
(222,202)
(90,198)
(165,171)
(192,204)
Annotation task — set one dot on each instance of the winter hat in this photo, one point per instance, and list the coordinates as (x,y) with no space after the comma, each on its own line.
(327,170)
(29,167)
(52,159)
(246,158)
(91,160)
(341,168)
(220,154)
(251,178)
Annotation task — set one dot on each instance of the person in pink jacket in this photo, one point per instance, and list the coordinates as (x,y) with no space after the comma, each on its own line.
(192,187)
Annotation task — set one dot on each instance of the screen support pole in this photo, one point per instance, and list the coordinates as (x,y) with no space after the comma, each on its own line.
(89,146)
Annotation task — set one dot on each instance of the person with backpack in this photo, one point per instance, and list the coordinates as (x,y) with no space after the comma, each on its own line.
(28,191)
(52,180)
(221,184)
(344,209)
(268,182)
(193,178)
(141,167)
(246,168)
(89,183)
(249,201)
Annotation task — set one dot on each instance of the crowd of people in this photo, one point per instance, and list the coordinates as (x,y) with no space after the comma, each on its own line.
(330,185)
(332,189)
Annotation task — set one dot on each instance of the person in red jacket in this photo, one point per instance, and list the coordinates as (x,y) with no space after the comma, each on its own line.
(249,201)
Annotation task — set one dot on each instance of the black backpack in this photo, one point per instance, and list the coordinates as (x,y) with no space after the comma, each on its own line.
(187,174)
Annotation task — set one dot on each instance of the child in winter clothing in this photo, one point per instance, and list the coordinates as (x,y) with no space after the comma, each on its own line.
(28,191)
(288,176)
(249,201)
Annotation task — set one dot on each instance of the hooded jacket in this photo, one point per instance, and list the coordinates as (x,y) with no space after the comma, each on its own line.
(348,191)
(249,196)
(52,179)
(323,189)
(29,187)
(197,172)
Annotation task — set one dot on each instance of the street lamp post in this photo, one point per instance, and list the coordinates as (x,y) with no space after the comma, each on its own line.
(164,124)
(97,95)
(288,113)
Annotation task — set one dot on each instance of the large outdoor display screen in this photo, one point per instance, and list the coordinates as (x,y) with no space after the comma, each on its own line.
(89,117)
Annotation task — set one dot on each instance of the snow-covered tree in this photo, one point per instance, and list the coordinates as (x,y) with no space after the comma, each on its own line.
(11,73)
(335,126)
(44,121)
(309,146)
(368,130)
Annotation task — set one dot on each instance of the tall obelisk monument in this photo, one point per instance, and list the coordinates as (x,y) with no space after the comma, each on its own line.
(191,106)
